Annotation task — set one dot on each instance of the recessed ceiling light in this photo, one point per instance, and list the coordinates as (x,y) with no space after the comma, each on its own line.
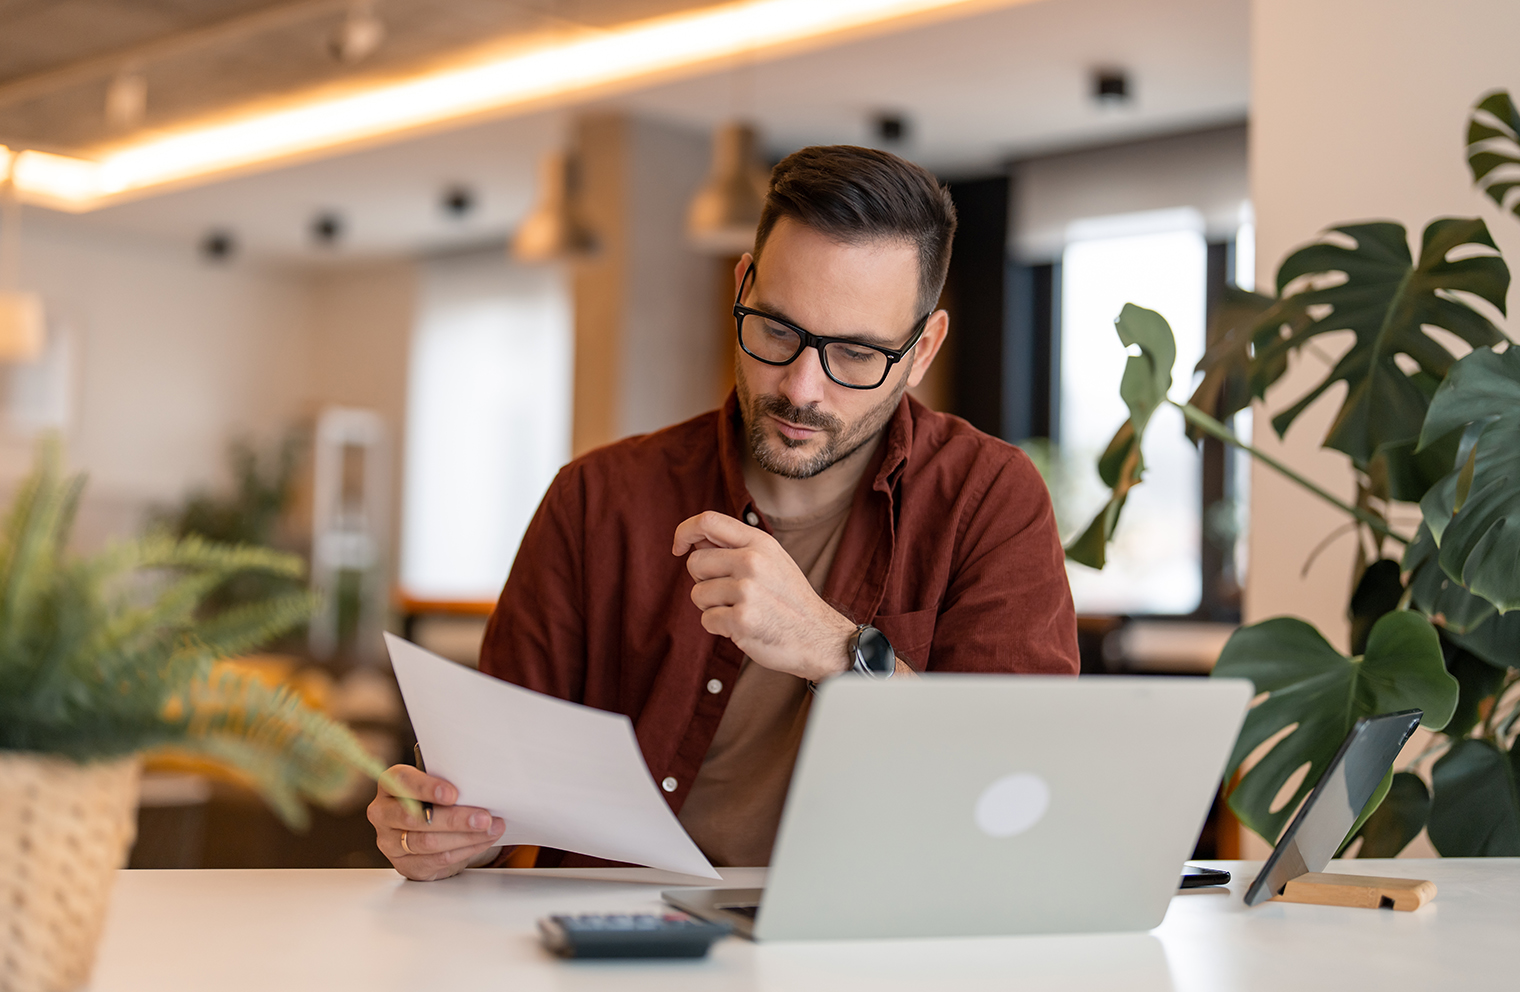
(359,35)
(218,245)
(458,200)
(1110,86)
(891,128)
(327,228)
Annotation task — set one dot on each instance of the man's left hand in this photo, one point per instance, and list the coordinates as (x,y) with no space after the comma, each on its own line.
(750,591)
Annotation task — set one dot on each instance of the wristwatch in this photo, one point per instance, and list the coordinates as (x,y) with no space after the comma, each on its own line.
(871,653)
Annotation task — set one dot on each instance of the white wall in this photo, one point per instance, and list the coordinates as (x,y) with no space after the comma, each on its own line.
(1205,170)
(169,358)
(1359,111)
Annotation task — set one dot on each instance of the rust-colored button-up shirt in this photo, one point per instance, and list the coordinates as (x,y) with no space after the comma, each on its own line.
(950,550)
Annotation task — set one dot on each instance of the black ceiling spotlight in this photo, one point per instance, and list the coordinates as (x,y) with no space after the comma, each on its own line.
(891,128)
(218,245)
(1110,87)
(458,201)
(327,228)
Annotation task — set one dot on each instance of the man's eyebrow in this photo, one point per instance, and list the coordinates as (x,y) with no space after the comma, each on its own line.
(870,339)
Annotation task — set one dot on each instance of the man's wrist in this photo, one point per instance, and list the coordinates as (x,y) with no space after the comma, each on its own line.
(834,656)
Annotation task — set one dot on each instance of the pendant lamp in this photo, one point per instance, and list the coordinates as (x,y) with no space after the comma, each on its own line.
(553,228)
(725,212)
(21,319)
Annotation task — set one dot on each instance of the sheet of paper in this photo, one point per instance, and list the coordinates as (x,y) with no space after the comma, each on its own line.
(560,774)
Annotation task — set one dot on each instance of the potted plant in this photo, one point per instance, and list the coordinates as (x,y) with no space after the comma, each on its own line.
(1434,614)
(102,659)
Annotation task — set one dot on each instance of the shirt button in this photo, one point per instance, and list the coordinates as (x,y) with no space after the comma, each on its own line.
(669,785)
(752,518)
(714,686)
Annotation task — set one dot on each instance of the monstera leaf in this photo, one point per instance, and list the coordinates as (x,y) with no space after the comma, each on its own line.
(1398,820)
(1435,594)
(1493,148)
(1496,640)
(1147,377)
(1320,694)
(1226,387)
(1474,513)
(1476,809)
(1387,300)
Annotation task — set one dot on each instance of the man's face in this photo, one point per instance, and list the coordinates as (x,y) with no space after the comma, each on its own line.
(798,420)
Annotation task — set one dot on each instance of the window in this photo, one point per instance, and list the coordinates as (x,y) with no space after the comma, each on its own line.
(1157,259)
(488,420)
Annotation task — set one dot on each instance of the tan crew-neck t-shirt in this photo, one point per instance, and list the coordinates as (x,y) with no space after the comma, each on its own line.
(734,808)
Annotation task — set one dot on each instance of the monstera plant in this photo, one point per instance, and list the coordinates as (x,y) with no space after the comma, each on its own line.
(1435,614)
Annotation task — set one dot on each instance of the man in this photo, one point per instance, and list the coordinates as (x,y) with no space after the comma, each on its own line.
(700,579)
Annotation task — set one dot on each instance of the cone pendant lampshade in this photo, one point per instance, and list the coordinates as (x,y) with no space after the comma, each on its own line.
(553,228)
(725,212)
(21,326)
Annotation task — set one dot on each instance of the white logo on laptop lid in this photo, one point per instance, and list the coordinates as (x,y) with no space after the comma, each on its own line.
(1012,804)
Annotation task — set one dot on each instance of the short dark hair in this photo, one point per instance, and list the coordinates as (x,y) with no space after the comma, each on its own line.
(856,195)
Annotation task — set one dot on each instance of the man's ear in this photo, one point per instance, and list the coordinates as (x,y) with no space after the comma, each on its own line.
(741,267)
(928,346)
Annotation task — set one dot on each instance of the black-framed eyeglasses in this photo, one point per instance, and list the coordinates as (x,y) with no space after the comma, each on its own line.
(853,364)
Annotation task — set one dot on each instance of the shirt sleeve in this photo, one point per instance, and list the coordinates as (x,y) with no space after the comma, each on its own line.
(536,636)
(1008,604)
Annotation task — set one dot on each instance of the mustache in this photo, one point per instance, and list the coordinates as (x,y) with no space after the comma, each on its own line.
(802,416)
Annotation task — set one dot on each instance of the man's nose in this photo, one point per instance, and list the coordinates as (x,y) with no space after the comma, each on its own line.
(805,382)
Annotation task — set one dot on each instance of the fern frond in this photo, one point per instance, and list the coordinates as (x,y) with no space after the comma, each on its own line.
(241,628)
(114,655)
(196,553)
(287,749)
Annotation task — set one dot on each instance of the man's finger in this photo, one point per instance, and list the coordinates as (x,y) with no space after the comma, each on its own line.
(430,866)
(715,592)
(418,784)
(423,842)
(717,563)
(719,529)
(718,620)
(391,812)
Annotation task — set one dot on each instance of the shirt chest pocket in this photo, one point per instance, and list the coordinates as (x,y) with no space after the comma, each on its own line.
(911,634)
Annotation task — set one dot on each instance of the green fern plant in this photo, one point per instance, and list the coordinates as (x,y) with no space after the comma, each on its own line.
(114,655)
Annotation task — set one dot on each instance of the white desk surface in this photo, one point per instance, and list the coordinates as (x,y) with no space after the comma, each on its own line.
(329,930)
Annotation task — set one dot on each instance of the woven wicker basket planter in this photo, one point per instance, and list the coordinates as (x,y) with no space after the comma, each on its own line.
(64,830)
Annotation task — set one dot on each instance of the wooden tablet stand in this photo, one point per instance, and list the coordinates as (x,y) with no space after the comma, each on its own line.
(1359,891)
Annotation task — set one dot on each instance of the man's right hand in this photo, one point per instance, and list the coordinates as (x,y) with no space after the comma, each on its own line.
(444,847)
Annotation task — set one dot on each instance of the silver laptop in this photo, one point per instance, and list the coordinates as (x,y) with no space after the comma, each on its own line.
(961,805)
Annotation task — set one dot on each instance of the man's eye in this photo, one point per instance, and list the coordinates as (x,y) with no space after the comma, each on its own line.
(857,354)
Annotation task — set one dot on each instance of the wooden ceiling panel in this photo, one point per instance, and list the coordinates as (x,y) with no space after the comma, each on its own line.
(205,58)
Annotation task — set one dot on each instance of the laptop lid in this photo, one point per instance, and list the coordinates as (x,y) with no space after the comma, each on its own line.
(959,805)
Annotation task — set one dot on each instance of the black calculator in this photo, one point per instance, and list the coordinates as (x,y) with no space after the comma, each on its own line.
(630,935)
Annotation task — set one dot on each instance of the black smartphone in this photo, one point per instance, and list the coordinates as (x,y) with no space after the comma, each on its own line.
(1196,877)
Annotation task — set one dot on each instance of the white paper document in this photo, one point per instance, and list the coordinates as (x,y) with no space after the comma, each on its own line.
(560,774)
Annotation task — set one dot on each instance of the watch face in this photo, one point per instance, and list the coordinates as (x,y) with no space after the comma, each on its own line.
(875,652)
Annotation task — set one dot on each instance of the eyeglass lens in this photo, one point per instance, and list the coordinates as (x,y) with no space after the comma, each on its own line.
(774,342)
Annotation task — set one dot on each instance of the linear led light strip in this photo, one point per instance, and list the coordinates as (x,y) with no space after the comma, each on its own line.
(618,55)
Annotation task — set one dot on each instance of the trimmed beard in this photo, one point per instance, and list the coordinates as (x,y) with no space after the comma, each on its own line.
(842,440)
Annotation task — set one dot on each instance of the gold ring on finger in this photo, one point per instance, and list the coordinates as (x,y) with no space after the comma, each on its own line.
(408,850)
